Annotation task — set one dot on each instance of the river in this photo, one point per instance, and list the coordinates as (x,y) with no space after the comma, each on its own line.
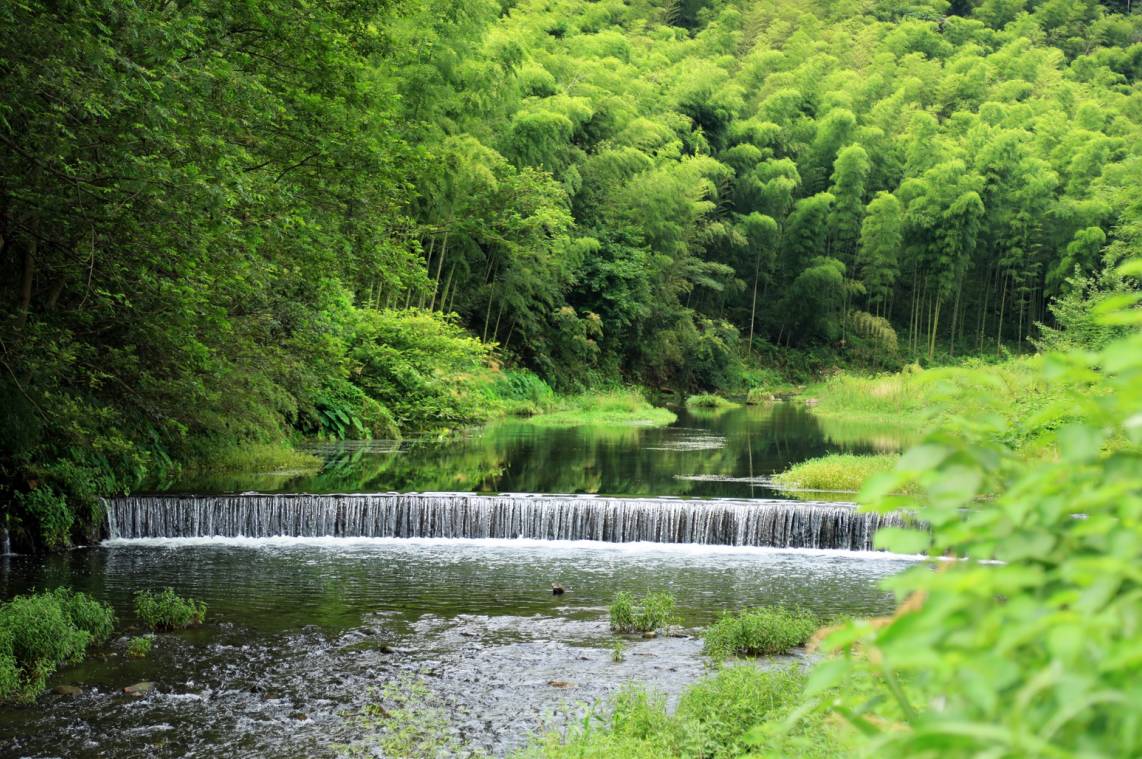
(303,628)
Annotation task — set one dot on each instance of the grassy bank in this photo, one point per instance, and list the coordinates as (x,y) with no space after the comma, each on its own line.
(897,409)
(920,400)
(611,408)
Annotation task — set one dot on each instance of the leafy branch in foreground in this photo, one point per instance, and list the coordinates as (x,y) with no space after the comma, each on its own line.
(1028,643)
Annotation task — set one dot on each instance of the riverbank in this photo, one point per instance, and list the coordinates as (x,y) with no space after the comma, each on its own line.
(907,405)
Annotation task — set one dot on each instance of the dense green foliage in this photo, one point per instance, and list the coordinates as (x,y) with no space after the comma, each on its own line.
(644,614)
(224,223)
(166,610)
(759,632)
(39,632)
(1021,638)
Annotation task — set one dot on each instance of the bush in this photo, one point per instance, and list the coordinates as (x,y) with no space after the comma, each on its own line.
(41,631)
(165,610)
(519,391)
(652,611)
(759,632)
(49,510)
(140,647)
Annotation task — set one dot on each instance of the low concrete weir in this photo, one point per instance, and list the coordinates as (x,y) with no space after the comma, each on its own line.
(773,523)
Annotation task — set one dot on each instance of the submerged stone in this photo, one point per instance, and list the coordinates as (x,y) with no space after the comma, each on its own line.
(139,689)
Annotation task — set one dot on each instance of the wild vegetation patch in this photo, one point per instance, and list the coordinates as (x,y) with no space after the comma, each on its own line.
(765,631)
(840,472)
(41,631)
(646,613)
(166,610)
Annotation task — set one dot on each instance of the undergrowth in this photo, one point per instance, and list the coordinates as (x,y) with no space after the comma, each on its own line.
(766,631)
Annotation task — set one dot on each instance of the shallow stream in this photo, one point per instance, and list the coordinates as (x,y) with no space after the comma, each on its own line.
(302,631)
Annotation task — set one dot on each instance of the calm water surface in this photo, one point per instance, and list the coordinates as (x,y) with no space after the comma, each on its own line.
(301,632)
(713,454)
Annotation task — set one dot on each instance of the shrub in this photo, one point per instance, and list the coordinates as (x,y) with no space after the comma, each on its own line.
(165,610)
(140,646)
(50,511)
(41,631)
(519,391)
(652,611)
(759,632)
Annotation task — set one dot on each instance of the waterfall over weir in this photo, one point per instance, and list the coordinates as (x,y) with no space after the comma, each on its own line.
(783,524)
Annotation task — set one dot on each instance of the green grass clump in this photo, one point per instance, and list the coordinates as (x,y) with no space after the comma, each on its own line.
(139,647)
(710,401)
(519,392)
(612,408)
(39,632)
(650,612)
(166,610)
(767,631)
(837,471)
(742,710)
(758,396)
(618,651)
(254,457)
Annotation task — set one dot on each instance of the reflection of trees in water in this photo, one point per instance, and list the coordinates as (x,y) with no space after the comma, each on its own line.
(749,442)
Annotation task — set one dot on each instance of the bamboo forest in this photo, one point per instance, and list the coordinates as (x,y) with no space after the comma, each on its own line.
(578,379)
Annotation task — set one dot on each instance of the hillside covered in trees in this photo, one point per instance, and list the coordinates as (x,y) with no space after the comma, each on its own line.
(225,222)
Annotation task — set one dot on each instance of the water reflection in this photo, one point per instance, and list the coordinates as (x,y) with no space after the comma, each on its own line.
(726,454)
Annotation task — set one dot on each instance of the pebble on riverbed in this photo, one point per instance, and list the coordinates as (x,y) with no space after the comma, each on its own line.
(67,690)
(139,689)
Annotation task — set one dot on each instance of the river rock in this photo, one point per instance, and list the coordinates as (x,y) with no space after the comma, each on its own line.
(139,689)
(650,634)
(560,684)
(67,690)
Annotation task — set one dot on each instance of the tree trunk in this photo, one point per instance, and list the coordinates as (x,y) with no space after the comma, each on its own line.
(439,268)
(427,268)
(935,324)
(753,306)
(499,313)
(955,312)
(1002,303)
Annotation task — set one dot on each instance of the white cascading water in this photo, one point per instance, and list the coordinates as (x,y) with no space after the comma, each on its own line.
(773,523)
